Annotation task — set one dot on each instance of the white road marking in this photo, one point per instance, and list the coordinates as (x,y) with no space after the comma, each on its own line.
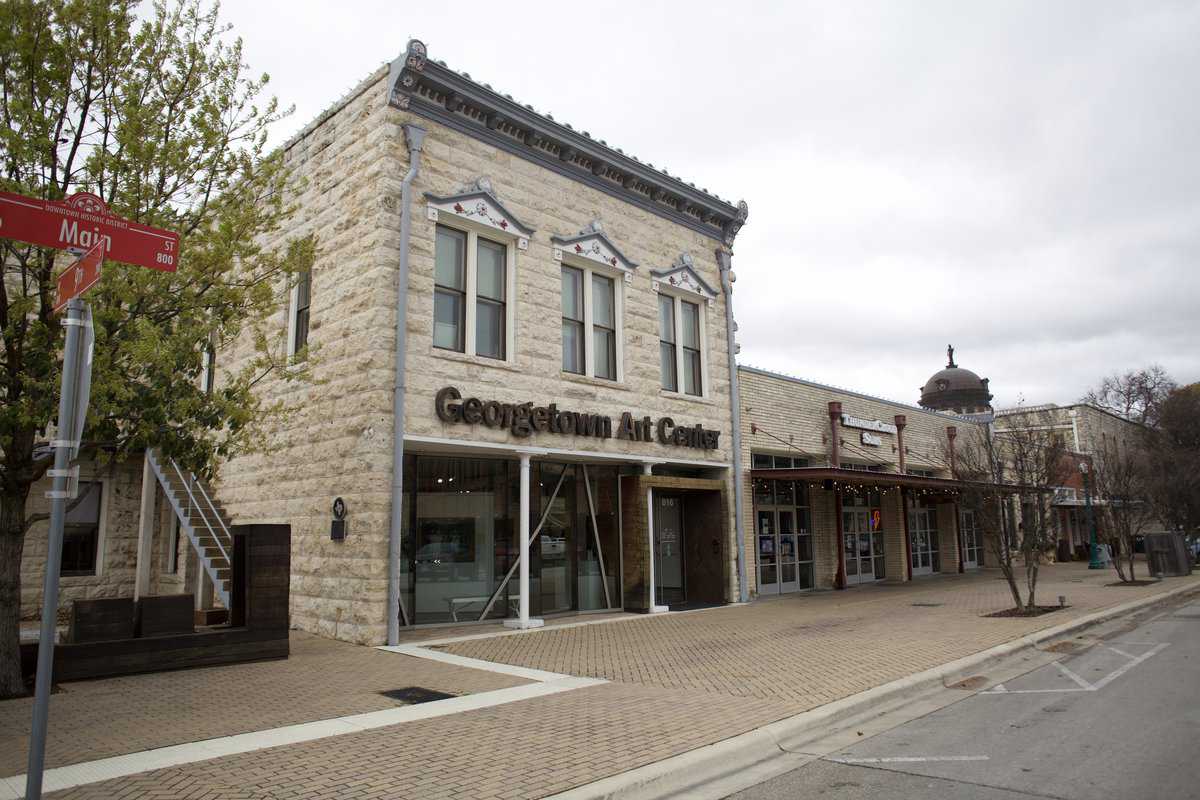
(1107,679)
(1068,673)
(906,759)
(1084,686)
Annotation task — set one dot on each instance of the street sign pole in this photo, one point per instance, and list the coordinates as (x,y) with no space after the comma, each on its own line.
(65,444)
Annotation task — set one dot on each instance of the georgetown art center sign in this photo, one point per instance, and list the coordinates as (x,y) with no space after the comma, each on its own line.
(524,419)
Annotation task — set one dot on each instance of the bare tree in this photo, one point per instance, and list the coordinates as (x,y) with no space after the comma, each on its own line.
(1120,476)
(1136,395)
(1174,457)
(1003,467)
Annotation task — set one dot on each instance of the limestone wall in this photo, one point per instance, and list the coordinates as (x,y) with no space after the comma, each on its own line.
(338,442)
(121,488)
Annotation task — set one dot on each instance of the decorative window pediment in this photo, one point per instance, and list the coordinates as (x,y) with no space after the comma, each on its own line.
(477,204)
(682,275)
(592,244)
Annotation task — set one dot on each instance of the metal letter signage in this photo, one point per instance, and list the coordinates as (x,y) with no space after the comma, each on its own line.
(81,221)
(523,419)
(868,424)
(871,439)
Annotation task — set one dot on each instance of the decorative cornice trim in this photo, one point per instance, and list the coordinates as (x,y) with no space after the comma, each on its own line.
(682,275)
(436,92)
(592,244)
(477,204)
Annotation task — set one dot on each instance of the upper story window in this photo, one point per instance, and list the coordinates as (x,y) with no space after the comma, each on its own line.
(208,366)
(594,273)
(475,244)
(680,345)
(683,297)
(589,323)
(470,295)
(298,321)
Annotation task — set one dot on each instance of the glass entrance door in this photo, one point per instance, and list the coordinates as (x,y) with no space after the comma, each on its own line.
(923,540)
(778,552)
(863,541)
(972,541)
(668,554)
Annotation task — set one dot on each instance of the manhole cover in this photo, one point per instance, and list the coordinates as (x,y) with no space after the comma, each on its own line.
(927,605)
(415,694)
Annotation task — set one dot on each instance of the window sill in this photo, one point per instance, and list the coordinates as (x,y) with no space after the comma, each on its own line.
(690,398)
(588,380)
(479,361)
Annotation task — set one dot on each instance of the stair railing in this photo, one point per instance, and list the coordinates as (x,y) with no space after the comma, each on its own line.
(187,484)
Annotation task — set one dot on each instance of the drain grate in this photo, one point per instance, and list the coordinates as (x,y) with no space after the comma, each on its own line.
(410,695)
(928,605)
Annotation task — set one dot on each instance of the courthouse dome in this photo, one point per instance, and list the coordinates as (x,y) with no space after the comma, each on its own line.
(956,389)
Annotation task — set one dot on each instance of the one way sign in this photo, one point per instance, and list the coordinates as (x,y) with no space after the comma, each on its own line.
(80,276)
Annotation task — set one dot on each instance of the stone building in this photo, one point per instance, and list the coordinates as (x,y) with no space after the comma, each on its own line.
(1088,434)
(564,348)
(848,488)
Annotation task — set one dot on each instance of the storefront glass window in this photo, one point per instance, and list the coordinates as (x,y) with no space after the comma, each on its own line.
(463,538)
(784,535)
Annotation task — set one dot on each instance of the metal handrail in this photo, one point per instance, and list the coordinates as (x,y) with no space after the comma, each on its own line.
(212,507)
(188,488)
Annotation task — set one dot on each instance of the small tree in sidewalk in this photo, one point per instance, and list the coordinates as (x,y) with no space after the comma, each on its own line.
(1012,475)
(1119,476)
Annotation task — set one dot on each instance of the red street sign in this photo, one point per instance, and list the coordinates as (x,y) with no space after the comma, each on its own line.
(80,276)
(82,220)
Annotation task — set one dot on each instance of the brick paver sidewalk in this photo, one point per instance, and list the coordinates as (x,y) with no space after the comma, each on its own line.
(322,679)
(680,681)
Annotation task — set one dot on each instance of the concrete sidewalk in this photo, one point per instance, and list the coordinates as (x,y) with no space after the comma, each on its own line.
(677,682)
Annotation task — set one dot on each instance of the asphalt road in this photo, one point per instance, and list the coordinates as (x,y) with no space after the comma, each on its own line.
(1119,719)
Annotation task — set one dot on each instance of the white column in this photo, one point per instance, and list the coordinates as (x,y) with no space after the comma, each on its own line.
(523,620)
(145,545)
(648,469)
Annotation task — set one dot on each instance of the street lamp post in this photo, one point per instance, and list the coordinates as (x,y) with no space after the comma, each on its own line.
(1095,562)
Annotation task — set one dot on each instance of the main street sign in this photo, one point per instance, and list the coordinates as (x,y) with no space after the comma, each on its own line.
(81,221)
(80,276)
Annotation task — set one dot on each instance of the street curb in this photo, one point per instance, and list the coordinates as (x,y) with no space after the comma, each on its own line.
(753,749)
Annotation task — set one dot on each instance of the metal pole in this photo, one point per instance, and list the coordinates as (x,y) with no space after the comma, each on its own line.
(416,139)
(523,610)
(63,445)
(739,525)
(1094,562)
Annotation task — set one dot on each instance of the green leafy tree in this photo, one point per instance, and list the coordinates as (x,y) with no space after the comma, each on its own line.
(161,119)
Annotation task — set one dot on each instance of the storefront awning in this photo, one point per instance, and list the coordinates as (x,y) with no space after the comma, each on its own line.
(855,477)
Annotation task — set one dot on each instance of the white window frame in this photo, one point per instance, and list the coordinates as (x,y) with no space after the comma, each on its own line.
(470,298)
(702,303)
(101,531)
(208,364)
(618,277)
(293,309)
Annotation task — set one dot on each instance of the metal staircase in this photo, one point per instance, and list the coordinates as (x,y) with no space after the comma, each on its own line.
(205,522)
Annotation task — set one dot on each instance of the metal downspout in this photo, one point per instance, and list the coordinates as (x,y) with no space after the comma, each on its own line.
(415,137)
(727,278)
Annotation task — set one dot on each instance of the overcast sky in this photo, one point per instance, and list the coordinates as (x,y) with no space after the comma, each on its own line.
(1019,179)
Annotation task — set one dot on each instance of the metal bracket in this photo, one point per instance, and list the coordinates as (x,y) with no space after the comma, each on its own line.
(64,495)
(72,443)
(63,473)
(83,323)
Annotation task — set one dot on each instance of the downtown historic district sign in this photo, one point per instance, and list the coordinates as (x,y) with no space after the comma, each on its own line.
(80,222)
(523,419)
